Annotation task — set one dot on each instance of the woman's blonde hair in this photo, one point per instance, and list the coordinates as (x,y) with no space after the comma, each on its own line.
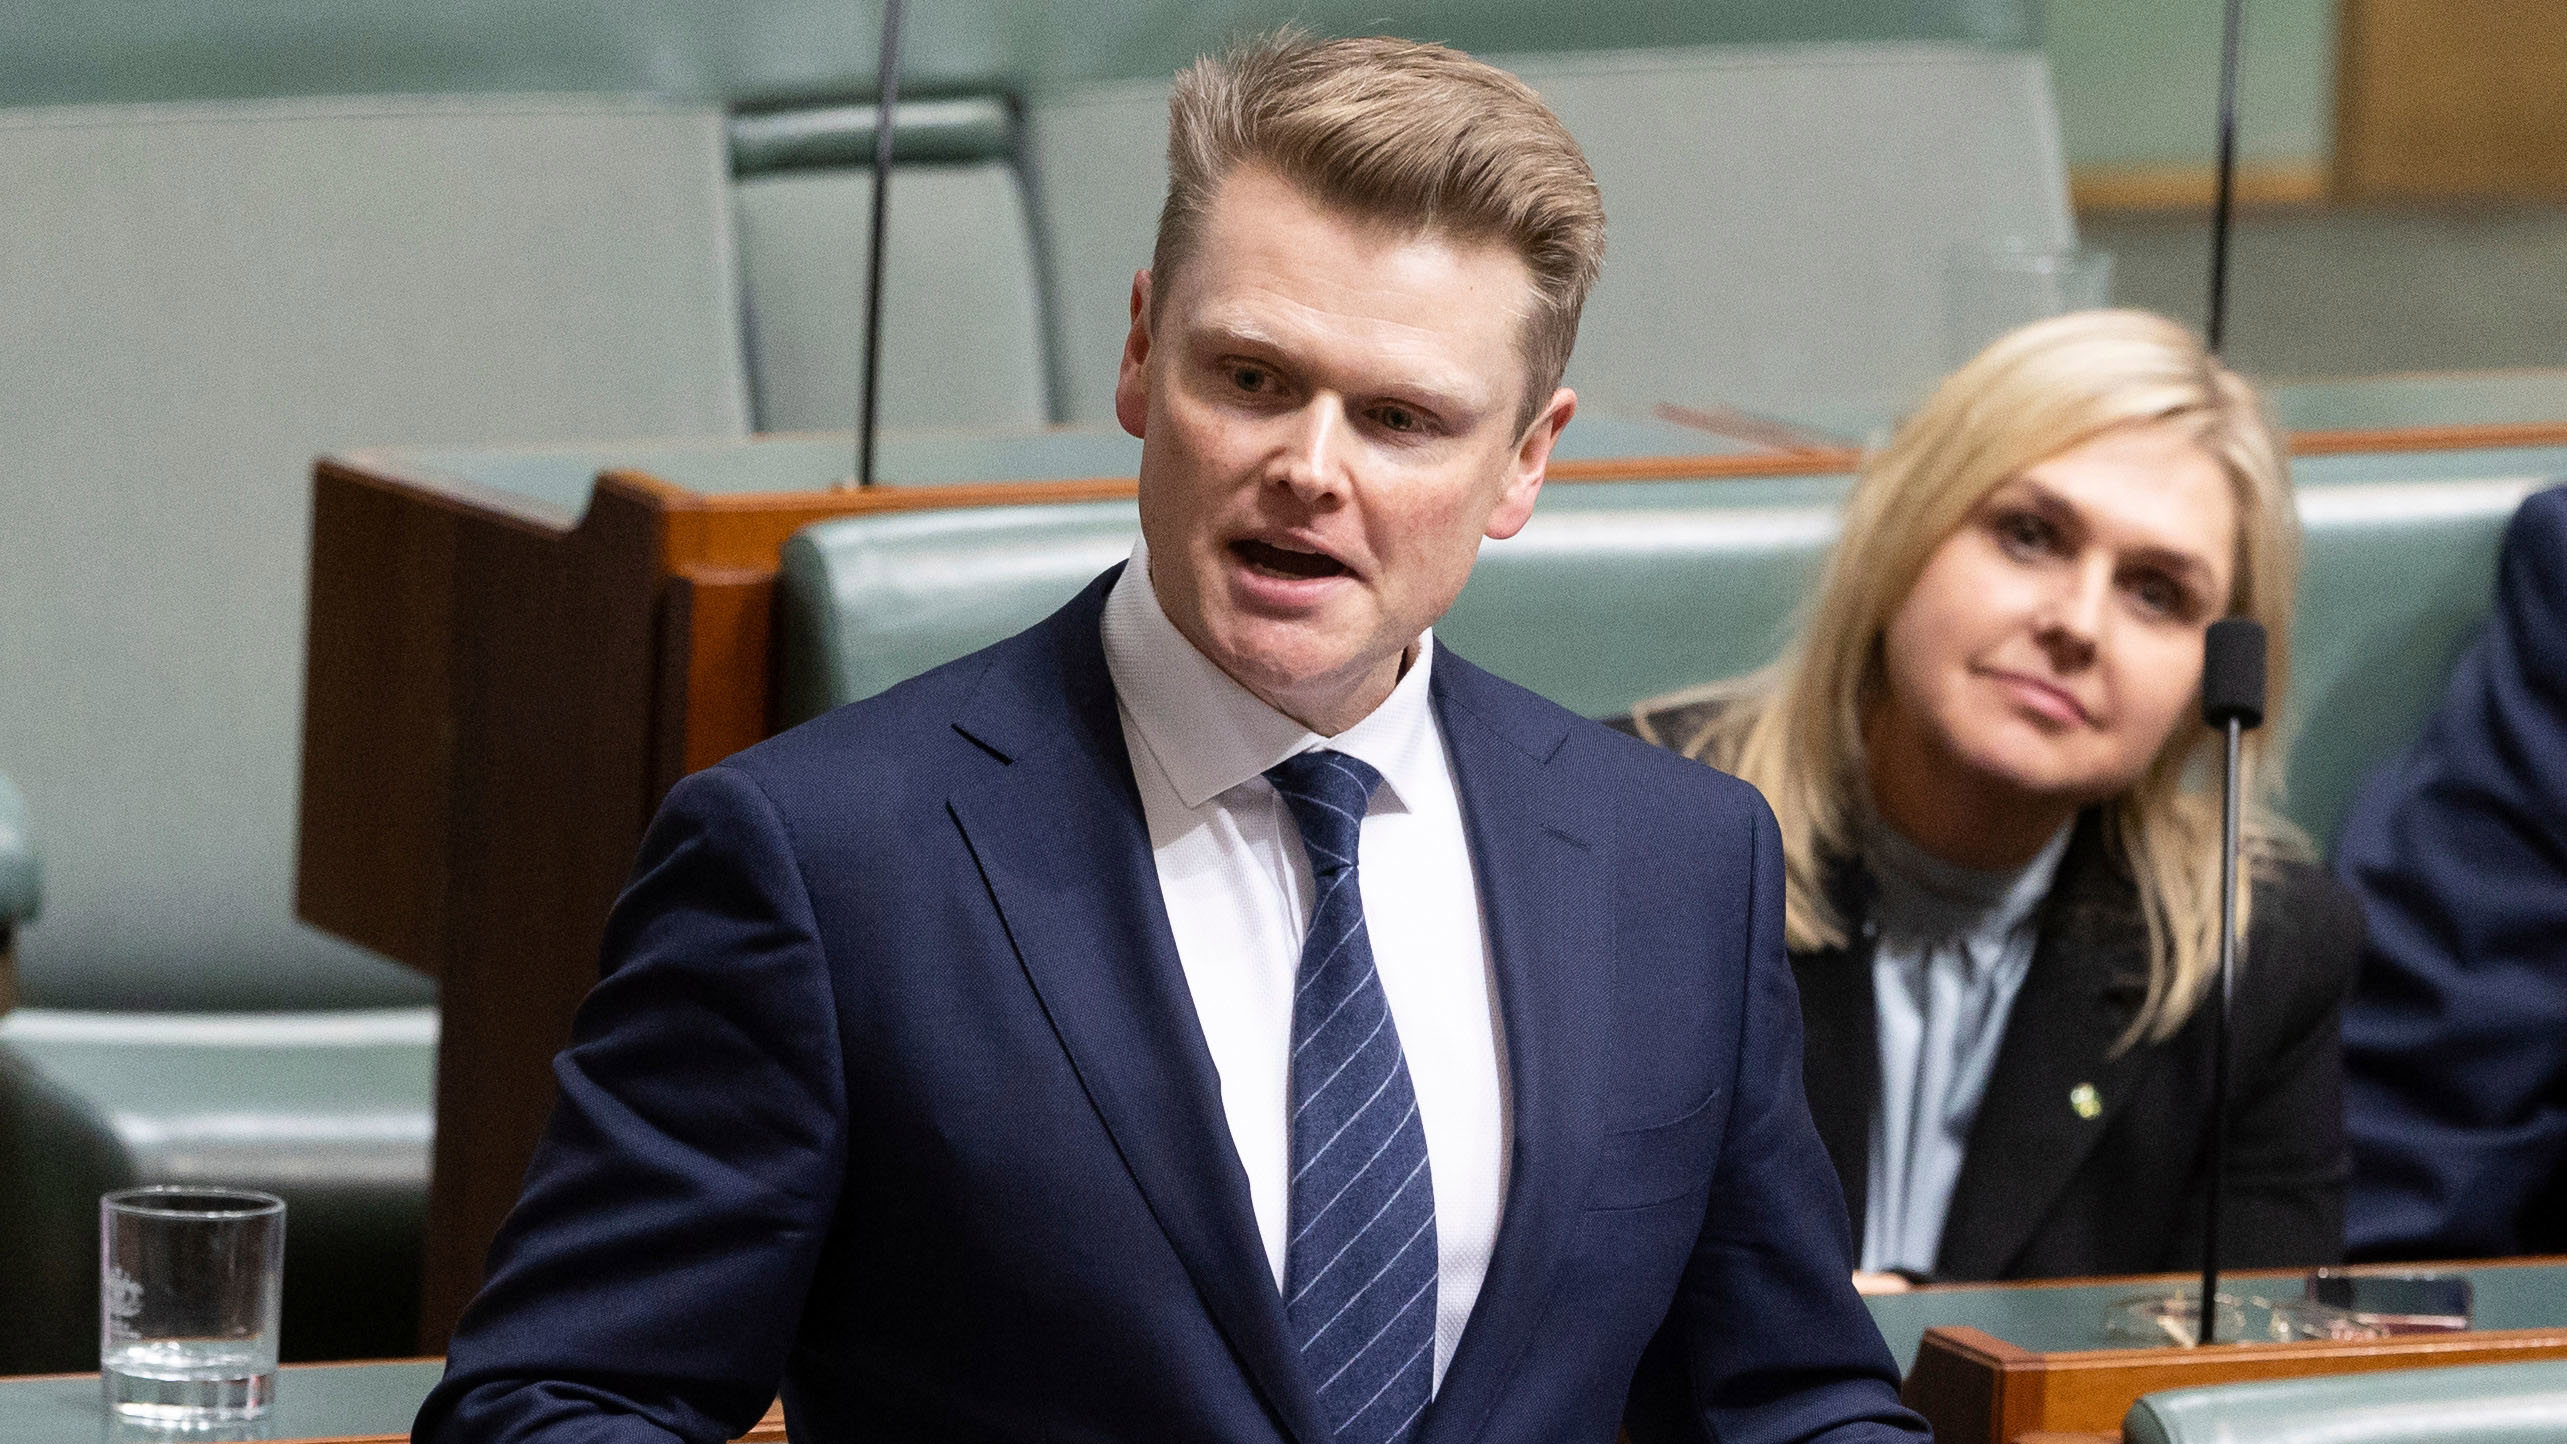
(1795,729)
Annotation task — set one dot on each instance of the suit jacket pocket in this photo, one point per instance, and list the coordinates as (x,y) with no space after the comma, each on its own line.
(1638,1167)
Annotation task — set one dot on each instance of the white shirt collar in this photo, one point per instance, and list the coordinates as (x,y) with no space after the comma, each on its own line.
(1208,734)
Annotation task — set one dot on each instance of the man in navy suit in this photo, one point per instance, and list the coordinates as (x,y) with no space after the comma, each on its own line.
(2455,1040)
(1216,1012)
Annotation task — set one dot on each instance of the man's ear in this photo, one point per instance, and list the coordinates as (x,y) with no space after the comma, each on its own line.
(1531,462)
(1132,383)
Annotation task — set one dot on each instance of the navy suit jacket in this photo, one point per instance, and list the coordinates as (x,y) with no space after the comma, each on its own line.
(2455,1042)
(893,1093)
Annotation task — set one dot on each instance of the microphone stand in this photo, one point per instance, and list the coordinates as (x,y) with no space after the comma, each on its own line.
(2233,701)
(869,403)
(2231,22)
(2234,730)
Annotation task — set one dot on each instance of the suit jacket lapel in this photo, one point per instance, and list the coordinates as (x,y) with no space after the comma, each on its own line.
(2038,1120)
(1542,897)
(1841,1068)
(1062,844)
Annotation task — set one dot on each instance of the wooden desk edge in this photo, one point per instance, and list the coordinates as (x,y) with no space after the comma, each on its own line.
(768,1430)
(1965,1373)
(1974,1387)
(2146,1281)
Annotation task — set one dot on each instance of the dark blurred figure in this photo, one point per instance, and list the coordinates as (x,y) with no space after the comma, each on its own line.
(2456,1039)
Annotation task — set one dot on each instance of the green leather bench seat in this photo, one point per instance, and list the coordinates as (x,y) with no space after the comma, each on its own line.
(2480,1404)
(331,1111)
(1617,591)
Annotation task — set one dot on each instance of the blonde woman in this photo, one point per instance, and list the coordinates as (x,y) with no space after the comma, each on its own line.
(1985,752)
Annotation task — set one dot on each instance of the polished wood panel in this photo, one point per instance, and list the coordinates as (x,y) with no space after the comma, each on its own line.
(1978,1389)
(2451,99)
(497,696)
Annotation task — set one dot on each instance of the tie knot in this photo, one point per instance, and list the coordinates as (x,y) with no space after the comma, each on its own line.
(1327,792)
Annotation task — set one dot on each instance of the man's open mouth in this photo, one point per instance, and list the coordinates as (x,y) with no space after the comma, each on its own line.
(1278,561)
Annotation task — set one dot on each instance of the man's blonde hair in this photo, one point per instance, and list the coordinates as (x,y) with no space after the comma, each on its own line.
(1414,136)
(1795,729)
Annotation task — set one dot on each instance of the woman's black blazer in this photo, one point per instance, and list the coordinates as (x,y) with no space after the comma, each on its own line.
(2085,1161)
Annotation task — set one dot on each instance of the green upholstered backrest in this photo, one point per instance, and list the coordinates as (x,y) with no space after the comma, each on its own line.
(1902,129)
(56,1156)
(1782,221)
(2481,1404)
(333,1111)
(962,341)
(750,50)
(2397,579)
(198,300)
(21,866)
(1619,591)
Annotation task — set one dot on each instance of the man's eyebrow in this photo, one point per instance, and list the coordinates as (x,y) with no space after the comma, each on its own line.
(1237,335)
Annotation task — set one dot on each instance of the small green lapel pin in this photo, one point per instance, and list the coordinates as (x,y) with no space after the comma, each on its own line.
(2086,1100)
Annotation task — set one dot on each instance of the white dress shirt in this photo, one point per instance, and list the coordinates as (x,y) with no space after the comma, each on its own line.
(1239,895)
(1951,948)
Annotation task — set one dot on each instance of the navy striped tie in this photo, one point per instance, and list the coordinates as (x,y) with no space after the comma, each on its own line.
(1359,1275)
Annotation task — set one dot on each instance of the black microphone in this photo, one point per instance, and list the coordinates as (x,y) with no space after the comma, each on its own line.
(2233,702)
(2233,673)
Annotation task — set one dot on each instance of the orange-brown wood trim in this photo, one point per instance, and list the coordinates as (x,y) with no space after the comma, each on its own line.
(746,528)
(1958,1384)
(2294,1275)
(1974,1387)
(449,494)
(722,621)
(2473,437)
(734,528)
(2094,1391)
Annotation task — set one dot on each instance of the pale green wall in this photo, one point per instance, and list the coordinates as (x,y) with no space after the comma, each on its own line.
(2138,80)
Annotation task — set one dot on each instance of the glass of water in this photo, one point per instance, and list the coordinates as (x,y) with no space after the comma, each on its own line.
(189,1281)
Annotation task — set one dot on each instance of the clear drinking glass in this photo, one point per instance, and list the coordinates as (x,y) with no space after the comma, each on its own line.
(189,1281)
